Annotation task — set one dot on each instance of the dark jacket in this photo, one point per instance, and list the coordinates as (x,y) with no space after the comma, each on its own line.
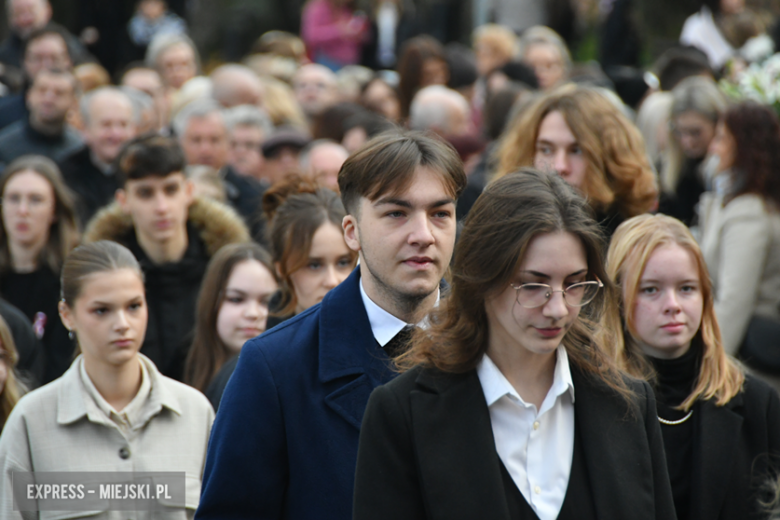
(31,357)
(245,194)
(427,451)
(22,139)
(284,443)
(13,108)
(93,187)
(172,289)
(736,452)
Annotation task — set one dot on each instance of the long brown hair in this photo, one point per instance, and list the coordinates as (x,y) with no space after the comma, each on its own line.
(506,217)
(618,173)
(11,390)
(64,230)
(295,209)
(208,352)
(632,245)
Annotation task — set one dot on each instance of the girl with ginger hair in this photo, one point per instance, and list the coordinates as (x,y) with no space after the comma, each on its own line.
(582,135)
(721,428)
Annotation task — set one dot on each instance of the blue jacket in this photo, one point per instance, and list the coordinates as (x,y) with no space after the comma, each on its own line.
(284,443)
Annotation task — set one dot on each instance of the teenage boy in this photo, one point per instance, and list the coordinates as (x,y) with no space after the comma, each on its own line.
(285,441)
(171,233)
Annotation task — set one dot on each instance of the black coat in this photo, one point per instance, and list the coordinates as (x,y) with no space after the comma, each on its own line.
(736,448)
(427,451)
(30,364)
(93,188)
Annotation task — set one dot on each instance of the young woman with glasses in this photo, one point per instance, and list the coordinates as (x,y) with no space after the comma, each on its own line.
(508,406)
(721,428)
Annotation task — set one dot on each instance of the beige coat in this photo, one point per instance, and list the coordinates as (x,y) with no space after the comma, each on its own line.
(59,427)
(741,245)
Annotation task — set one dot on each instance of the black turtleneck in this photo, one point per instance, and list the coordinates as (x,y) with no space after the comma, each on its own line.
(676,379)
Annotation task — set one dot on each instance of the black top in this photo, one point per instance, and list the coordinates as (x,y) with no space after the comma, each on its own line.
(29,367)
(171,295)
(92,186)
(676,379)
(36,294)
(22,139)
(578,502)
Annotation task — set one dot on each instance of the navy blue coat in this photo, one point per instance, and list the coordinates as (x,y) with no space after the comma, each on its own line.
(284,443)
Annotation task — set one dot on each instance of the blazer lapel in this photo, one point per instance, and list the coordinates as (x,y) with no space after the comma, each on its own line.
(719,428)
(351,364)
(615,453)
(459,465)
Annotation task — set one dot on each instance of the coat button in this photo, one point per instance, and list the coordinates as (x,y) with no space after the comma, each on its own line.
(124,453)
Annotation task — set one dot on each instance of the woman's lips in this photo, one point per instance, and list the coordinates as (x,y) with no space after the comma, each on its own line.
(673,327)
(549,332)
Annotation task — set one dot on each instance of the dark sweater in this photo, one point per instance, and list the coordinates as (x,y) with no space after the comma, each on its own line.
(36,294)
(676,379)
(22,139)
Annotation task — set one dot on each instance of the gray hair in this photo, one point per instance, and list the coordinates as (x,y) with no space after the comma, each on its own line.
(164,41)
(541,35)
(197,109)
(432,105)
(248,115)
(698,94)
(140,99)
(86,101)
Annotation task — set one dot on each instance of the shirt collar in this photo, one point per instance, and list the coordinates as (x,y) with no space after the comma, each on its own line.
(132,411)
(495,385)
(384,325)
(74,400)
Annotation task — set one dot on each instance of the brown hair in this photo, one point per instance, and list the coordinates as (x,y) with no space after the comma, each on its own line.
(208,352)
(64,230)
(388,163)
(618,175)
(149,155)
(632,245)
(11,390)
(414,53)
(756,133)
(295,209)
(88,259)
(506,217)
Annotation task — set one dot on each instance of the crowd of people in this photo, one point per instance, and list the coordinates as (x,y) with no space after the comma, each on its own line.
(415,278)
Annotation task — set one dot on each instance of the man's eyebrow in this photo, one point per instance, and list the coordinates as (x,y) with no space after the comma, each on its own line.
(407,204)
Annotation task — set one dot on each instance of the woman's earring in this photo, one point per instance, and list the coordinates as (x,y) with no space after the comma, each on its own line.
(71,335)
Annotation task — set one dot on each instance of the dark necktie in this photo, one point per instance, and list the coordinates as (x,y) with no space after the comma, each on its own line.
(400,343)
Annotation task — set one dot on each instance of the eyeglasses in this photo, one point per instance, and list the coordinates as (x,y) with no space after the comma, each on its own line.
(532,295)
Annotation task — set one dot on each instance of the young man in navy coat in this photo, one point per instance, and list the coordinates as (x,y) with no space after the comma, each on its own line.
(284,443)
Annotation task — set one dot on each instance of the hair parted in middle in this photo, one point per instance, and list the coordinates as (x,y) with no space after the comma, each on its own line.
(64,232)
(632,245)
(508,215)
(387,165)
(618,176)
(208,352)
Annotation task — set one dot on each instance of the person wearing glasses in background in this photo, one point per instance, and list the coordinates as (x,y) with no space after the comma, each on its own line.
(508,407)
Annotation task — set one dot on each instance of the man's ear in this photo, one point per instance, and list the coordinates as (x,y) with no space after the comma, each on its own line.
(121,198)
(351,232)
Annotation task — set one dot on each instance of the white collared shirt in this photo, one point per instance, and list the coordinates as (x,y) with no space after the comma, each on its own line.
(384,325)
(536,447)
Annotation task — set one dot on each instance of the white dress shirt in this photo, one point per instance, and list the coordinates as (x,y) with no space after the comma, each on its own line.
(536,447)
(384,325)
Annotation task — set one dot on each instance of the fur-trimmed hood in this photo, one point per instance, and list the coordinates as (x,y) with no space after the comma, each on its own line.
(217,224)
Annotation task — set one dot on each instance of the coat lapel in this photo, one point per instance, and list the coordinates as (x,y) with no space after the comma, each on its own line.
(616,452)
(459,466)
(351,363)
(719,428)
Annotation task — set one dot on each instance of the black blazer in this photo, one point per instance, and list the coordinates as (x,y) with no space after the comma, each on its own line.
(736,452)
(427,451)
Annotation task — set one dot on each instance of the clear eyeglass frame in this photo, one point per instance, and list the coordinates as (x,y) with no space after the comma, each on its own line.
(544,292)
